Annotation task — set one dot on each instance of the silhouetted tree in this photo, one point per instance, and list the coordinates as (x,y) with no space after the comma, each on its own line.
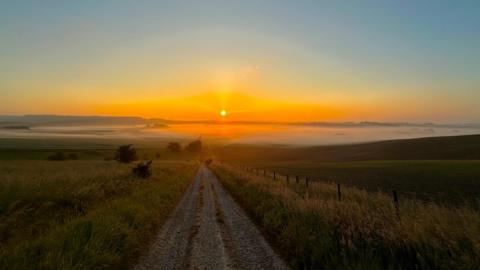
(174,147)
(194,147)
(126,154)
(142,170)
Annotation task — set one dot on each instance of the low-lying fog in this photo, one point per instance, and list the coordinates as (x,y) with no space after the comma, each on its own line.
(243,133)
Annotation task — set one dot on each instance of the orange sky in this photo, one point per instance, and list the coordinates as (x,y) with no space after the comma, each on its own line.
(245,107)
(207,106)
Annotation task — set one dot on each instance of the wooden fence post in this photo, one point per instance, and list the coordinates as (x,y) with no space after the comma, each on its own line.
(287,178)
(274,176)
(264,172)
(339,192)
(306,181)
(296,178)
(396,202)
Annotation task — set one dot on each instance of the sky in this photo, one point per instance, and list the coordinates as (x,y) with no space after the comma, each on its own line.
(313,60)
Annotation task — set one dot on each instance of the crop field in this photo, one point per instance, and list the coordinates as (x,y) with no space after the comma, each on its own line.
(442,169)
(443,181)
(83,214)
(313,229)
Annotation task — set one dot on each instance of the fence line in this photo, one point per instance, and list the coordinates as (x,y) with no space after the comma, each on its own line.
(395,197)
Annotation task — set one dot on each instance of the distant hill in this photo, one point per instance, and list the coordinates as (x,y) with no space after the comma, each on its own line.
(441,148)
(47,119)
(34,120)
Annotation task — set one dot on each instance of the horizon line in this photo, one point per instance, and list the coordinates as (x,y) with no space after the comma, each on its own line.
(226,121)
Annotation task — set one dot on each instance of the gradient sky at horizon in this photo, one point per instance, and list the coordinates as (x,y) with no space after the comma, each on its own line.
(304,60)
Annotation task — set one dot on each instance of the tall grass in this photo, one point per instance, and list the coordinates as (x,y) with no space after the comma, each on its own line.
(452,182)
(362,231)
(82,214)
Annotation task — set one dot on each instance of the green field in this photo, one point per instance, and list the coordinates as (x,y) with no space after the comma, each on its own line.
(439,169)
(445,181)
(85,149)
(313,229)
(466,147)
(83,214)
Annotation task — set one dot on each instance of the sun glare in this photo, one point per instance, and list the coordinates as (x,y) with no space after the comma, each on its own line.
(223,113)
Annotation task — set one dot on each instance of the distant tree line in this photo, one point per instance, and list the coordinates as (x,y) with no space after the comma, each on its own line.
(192,147)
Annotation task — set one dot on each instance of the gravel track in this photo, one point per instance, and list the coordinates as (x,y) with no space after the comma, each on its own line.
(208,230)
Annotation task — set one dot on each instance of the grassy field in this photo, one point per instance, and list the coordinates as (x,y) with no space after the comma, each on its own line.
(86,149)
(443,181)
(465,147)
(314,230)
(83,214)
(91,154)
(440,169)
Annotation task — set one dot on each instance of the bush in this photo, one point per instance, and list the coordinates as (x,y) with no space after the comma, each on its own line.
(194,147)
(142,170)
(126,154)
(174,147)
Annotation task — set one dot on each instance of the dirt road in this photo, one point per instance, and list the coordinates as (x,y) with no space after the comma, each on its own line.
(208,230)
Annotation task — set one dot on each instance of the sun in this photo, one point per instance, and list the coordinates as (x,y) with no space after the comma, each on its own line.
(223,113)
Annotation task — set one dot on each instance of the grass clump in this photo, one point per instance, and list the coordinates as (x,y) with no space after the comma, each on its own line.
(314,230)
(143,169)
(83,214)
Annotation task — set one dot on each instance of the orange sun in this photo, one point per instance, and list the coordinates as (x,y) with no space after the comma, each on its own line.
(223,113)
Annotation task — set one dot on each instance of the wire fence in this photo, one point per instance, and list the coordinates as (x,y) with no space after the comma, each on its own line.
(305,182)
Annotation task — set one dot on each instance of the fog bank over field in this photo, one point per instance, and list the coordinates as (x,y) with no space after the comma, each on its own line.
(251,132)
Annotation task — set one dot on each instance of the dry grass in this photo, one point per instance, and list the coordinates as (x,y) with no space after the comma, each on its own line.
(363,231)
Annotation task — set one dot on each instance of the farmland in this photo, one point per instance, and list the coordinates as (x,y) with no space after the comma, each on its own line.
(92,212)
(446,181)
(443,170)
